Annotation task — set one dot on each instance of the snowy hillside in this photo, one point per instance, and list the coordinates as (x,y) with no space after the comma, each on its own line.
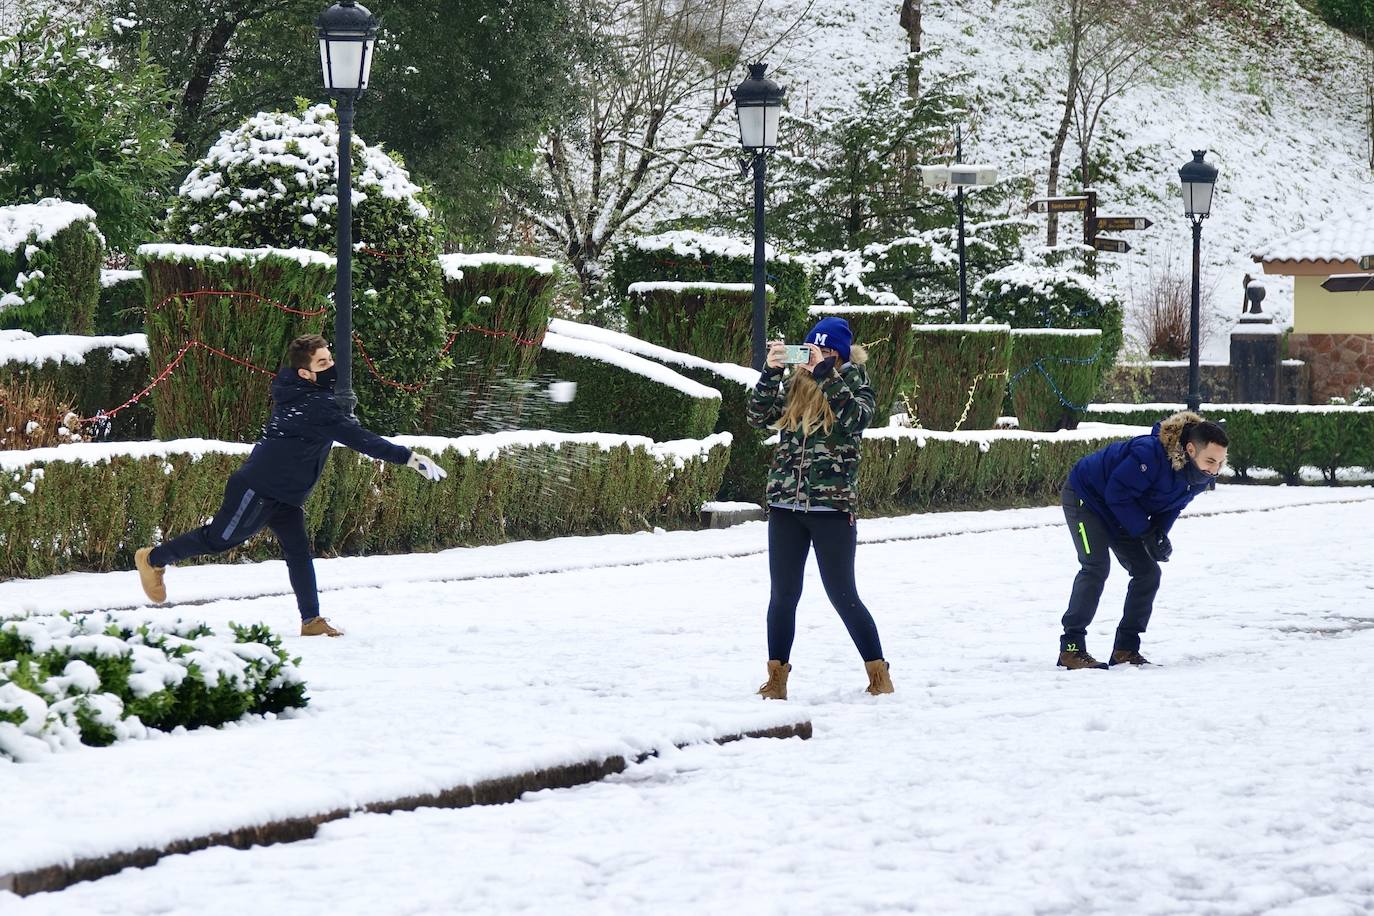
(1282,115)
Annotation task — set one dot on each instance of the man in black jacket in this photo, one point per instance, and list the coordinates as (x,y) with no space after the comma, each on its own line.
(270,488)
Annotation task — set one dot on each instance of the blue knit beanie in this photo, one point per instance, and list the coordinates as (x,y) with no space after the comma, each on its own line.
(833,333)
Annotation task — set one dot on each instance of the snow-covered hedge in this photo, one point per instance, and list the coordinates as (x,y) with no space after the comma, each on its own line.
(208,395)
(499,307)
(960,375)
(1275,437)
(748,450)
(123,302)
(1055,373)
(50,255)
(67,680)
(698,257)
(619,392)
(1031,295)
(272,182)
(87,374)
(885,333)
(711,320)
(89,507)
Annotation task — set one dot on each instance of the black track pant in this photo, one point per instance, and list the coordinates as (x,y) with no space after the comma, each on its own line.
(1093,539)
(243,514)
(791,535)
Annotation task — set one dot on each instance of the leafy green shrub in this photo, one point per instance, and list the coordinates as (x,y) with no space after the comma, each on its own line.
(619,392)
(885,332)
(50,256)
(697,257)
(248,304)
(1276,437)
(91,374)
(100,678)
(499,308)
(960,375)
(1036,296)
(1054,375)
(749,453)
(92,509)
(273,182)
(123,303)
(710,320)
(77,128)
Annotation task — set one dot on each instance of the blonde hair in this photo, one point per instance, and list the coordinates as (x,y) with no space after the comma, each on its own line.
(807,408)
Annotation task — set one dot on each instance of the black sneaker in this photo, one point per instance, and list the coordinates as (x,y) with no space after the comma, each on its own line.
(1078,658)
(1128,657)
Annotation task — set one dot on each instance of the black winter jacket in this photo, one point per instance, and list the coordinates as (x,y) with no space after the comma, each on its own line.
(306,421)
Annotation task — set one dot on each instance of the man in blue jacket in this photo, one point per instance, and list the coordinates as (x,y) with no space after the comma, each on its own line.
(1125,498)
(270,488)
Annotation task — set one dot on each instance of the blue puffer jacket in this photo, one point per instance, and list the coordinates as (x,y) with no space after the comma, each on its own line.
(306,422)
(1141,482)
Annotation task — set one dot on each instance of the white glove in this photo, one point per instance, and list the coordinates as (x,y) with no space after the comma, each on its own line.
(426,466)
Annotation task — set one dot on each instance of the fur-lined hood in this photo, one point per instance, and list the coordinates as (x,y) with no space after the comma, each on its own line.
(1170,433)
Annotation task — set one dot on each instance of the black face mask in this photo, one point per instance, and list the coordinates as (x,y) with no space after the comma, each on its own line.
(326,377)
(1197,475)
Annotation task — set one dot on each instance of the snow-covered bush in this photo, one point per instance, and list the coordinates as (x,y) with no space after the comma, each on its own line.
(711,320)
(1362,396)
(1055,373)
(43,378)
(960,375)
(123,303)
(97,679)
(499,308)
(50,255)
(273,183)
(1034,295)
(78,126)
(699,257)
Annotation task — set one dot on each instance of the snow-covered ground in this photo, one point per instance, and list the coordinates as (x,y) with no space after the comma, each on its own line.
(1234,778)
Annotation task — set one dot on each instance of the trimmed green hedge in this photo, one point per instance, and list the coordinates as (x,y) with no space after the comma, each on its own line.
(912,470)
(208,396)
(1054,375)
(123,303)
(93,509)
(695,257)
(618,392)
(50,280)
(960,375)
(1275,437)
(885,332)
(100,678)
(108,374)
(499,309)
(711,320)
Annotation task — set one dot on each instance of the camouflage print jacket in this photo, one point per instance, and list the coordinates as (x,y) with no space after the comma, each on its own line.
(820,469)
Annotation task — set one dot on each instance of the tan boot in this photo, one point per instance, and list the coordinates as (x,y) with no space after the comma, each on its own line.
(150,576)
(318,626)
(775,688)
(879,681)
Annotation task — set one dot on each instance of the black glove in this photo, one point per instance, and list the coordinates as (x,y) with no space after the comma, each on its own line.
(823,369)
(1157,545)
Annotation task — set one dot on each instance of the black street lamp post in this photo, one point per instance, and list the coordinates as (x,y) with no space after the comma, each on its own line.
(347,34)
(1198,179)
(961,175)
(758,102)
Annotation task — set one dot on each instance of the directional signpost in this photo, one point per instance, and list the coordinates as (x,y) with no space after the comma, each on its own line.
(1122,223)
(1117,246)
(1059,205)
(1349,283)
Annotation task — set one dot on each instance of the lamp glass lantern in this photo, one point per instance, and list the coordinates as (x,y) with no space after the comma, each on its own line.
(758,102)
(347,34)
(1198,179)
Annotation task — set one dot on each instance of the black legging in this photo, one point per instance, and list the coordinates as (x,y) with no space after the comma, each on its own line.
(790,537)
(243,514)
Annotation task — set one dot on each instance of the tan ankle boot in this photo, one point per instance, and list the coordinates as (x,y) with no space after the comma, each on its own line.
(775,688)
(150,576)
(879,681)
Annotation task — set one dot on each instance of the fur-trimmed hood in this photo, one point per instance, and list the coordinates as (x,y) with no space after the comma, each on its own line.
(1170,433)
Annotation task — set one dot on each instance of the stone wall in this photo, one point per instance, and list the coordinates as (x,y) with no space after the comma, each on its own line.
(1167,383)
(1340,362)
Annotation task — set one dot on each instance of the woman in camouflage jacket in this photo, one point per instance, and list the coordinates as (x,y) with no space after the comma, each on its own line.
(820,415)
